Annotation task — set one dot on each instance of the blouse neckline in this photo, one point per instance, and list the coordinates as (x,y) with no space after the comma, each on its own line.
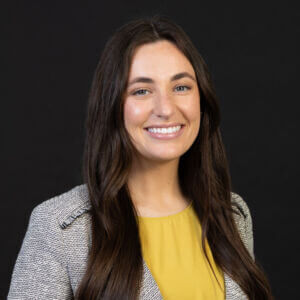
(168,217)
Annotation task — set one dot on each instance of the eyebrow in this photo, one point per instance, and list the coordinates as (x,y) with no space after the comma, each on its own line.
(173,78)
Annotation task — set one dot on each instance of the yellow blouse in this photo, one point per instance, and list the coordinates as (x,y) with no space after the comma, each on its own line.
(171,247)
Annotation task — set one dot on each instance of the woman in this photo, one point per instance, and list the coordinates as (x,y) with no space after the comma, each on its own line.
(156,218)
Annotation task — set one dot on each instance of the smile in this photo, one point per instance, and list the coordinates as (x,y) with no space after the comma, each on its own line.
(165,133)
(164,130)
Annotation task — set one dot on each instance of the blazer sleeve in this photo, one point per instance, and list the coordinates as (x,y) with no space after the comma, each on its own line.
(246,227)
(40,271)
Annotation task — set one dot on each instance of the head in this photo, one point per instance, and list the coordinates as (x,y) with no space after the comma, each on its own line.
(156,50)
(162,91)
(119,112)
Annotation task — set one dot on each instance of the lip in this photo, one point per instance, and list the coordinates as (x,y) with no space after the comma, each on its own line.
(165,125)
(166,136)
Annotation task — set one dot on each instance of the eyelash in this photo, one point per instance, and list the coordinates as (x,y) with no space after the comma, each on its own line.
(136,92)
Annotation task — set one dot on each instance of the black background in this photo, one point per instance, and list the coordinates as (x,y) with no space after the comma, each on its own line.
(51,49)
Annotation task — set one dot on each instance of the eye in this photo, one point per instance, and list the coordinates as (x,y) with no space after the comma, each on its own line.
(138,92)
(182,86)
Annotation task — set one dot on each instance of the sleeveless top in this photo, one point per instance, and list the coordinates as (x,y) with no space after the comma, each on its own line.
(171,248)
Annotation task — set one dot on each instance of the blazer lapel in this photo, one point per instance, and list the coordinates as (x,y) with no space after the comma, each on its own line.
(150,289)
(233,290)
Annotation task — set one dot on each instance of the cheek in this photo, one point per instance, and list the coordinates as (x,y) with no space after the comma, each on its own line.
(192,109)
(134,115)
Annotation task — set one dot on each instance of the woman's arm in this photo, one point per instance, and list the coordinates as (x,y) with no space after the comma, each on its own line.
(40,271)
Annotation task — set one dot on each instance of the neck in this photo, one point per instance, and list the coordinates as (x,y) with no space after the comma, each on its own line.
(154,187)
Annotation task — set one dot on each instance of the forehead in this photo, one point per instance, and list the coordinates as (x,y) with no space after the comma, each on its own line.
(160,59)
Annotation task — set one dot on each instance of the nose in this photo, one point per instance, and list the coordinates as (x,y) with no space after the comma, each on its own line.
(164,105)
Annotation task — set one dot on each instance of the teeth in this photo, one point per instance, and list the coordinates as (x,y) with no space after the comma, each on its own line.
(165,130)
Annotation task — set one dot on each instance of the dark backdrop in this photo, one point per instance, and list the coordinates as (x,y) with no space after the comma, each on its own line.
(252,49)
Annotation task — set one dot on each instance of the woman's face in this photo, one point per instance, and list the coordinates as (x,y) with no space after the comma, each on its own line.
(162,90)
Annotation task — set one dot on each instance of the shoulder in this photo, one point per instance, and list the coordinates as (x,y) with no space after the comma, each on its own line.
(238,202)
(243,221)
(64,208)
(52,258)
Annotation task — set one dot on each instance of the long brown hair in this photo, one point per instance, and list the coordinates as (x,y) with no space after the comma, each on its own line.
(114,267)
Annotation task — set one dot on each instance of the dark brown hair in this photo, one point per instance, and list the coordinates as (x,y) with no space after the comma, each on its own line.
(114,267)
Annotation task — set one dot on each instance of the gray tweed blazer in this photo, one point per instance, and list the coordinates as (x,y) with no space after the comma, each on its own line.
(53,256)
